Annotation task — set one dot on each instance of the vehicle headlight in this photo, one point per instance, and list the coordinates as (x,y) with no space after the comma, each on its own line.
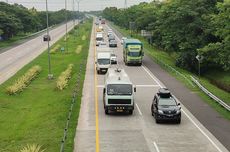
(178,111)
(160,111)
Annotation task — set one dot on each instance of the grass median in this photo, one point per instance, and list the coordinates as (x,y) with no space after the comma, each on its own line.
(169,59)
(39,113)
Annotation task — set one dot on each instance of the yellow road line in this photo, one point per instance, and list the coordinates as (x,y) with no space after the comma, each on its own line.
(96,98)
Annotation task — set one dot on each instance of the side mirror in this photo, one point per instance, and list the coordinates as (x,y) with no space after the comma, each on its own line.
(135,89)
(143,53)
(104,90)
(95,62)
(178,104)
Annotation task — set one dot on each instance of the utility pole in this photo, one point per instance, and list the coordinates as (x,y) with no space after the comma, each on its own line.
(78,11)
(50,76)
(125,6)
(66,47)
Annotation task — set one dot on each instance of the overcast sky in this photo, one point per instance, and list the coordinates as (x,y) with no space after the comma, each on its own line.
(85,5)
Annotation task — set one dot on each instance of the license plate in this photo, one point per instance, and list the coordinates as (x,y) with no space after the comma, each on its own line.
(120,110)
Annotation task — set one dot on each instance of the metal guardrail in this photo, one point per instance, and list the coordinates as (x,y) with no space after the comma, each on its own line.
(73,101)
(222,103)
(174,70)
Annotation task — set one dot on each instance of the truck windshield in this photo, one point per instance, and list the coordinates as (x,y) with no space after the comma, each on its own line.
(103,61)
(134,54)
(119,89)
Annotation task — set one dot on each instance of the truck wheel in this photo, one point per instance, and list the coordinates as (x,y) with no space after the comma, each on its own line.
(106,111)
(140,64)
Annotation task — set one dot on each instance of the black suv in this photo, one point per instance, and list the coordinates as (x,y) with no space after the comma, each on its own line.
(165,106)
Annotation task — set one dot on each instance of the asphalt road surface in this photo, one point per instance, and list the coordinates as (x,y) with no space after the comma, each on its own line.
(15,58)
(138,132)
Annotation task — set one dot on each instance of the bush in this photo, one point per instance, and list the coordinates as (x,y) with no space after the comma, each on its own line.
(55,49)
(79,48)
(63,79)
(32,148)
(83,38)
(24,80)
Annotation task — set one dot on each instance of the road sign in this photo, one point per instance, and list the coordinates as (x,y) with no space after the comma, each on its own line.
(199,57)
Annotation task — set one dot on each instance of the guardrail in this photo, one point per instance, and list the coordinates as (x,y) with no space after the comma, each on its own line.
(73,101)
(222,103)
(174,70)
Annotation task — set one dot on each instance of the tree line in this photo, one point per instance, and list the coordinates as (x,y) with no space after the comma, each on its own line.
(187,27)
(15,19)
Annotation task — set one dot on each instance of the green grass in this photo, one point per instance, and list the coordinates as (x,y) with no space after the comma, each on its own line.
(169,59)
(16,38)
(39,113)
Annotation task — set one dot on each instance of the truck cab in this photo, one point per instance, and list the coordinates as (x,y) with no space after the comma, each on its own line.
(103,62)
(118,93)
(132,51)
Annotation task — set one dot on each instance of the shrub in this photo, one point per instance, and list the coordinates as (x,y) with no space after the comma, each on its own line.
(83,38)
(55,49)
(32,148)
(63,79)
(24,80)
(79,48)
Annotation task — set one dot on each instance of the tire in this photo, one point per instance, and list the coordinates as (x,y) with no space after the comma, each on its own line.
(178,121)
(152,110)
(140,64)
(98,71)
(157,120)
(130,112)
(106,111)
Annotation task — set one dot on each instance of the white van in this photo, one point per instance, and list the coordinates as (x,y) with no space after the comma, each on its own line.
(99,39)
(103,62)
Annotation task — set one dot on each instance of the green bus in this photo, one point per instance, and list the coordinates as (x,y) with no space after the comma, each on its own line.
(133,51)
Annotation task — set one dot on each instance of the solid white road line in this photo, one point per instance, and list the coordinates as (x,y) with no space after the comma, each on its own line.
(155,145)
(151,75)
(138,109)
(140,85)
(213,143)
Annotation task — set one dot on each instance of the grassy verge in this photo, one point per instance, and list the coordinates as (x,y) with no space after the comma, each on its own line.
(39,113)
(169,59)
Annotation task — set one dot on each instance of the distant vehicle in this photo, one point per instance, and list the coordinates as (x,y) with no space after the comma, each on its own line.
(102,21)
(122,39)
(99,29)
(110,33)
(103,62)
(102,44)
(111,37)
(112,43)
(165,106)
(99,38)
(118,93)
(46,38)
(132,51)
(100,17)
(113,58)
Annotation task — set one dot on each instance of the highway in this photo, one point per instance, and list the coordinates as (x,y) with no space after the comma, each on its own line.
(138,132)
(15,58)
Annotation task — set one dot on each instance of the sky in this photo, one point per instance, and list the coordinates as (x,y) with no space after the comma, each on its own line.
(84,5)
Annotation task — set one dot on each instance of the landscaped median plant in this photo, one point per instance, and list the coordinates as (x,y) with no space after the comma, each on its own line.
(32,148)
(83,38)
(63,79)
(24,80)
(79,48)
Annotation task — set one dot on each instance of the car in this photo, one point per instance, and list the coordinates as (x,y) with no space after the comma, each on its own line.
(46,38)
(165,107)
(111,37)
(122,39)
(102,44)
(113,58)
(109,33)
(112,43)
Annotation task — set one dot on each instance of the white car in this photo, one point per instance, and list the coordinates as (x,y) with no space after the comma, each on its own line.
(113,58)
(122,39)
(102,44)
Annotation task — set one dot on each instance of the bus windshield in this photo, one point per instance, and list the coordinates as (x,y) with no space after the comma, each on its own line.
(134,54)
